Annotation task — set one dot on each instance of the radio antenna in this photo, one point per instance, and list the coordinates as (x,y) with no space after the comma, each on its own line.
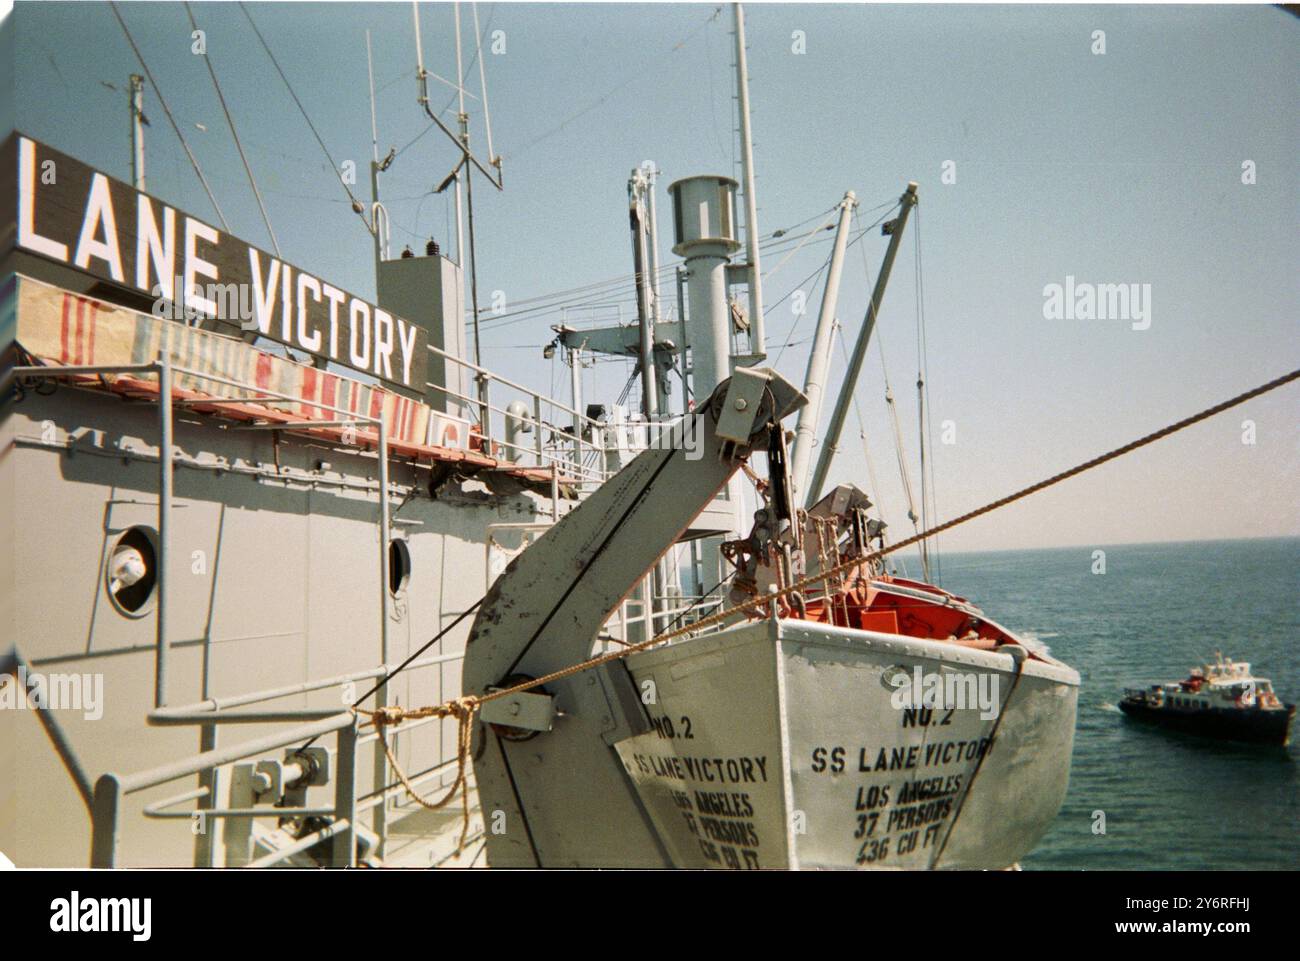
(467,162)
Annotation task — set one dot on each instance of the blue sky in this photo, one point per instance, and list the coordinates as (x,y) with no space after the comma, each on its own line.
(1117,168)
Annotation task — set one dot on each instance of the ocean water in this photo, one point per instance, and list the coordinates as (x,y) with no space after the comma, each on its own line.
(1171,801)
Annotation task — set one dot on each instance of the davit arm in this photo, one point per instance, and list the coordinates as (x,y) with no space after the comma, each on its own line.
(556,794)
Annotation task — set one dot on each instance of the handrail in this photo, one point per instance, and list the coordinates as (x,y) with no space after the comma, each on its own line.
(533,420)
(109,791)
(70,370)
(212,705)
(503,380)
(143,780)
(105,799)
(111,788)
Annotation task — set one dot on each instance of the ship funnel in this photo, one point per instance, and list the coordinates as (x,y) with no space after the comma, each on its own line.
(704,233)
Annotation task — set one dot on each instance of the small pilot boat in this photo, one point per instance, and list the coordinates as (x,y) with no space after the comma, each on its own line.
(1221,700)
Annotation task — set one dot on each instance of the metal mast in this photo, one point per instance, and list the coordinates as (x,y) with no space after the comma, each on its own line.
(757,338)
(819,357)
(895,229)
(462,119)
(467,159)
(651,175)
(377,210)
(463,122)
(136,99)
(637,188)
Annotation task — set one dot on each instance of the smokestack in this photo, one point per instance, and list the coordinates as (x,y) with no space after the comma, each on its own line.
(704,234)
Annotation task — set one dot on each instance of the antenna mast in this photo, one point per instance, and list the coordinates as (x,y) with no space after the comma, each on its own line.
(136,100)
(466,160)
(757,338)
(378,213)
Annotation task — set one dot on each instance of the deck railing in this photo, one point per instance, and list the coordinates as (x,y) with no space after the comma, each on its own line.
(578,453)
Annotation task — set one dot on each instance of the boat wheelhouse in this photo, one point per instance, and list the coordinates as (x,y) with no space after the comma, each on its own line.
(1223,699)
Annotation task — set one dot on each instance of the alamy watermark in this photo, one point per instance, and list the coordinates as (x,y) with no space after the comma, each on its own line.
(234,302)
(75,914)
(28,690)
(682,433)
(947,690)
(1087,301)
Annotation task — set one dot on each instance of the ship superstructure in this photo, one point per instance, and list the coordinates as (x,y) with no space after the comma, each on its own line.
(230,543)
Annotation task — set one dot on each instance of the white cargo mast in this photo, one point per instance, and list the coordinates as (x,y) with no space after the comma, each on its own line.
(830,446)
(640,193)
(820,355)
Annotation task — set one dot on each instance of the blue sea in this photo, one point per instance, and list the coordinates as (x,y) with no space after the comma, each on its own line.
(1171,801)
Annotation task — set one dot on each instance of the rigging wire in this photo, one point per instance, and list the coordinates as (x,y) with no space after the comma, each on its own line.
(194,162)
(826,225)
(482,78)
(859,235)
(630,78)
(925,423)
(416,139)
(920,439)
(621,288)
(404,75)
(862,428)
(816,278)
(713,107)
(230,121)
(856,238)
(357,206)
(899,450)
(597,292)
(545,303)
(929,405)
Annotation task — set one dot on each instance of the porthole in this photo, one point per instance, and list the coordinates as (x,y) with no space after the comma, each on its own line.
(399,566)
(130,574)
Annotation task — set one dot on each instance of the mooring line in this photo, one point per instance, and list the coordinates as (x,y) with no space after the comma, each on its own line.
(464,708)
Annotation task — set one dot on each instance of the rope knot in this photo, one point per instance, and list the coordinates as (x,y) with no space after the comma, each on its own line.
(463,708)
(389,716)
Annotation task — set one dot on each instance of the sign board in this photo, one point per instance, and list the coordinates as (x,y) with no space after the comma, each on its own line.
(74,215)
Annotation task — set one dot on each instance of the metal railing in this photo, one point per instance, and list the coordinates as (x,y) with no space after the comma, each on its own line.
(110,788)
(348,805)
(580,459)
(210,713)
(576,450)
(164,369)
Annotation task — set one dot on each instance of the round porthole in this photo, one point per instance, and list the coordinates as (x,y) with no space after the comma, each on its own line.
(399,566)
(131,574)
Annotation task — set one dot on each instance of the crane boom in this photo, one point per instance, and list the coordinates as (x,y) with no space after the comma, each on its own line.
(543,760)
